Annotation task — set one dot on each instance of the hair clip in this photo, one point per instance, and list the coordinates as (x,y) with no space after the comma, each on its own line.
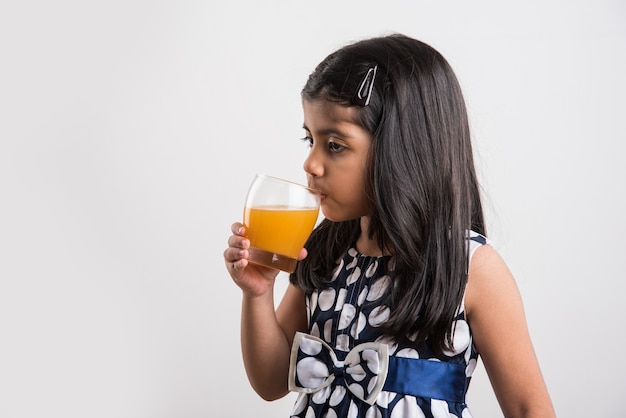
(364,92)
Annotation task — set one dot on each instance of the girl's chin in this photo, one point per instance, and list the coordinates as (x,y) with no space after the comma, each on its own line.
(326,215)
(334,216)
(330,215)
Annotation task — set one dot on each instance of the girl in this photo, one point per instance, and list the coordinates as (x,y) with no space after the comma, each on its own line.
(397,291)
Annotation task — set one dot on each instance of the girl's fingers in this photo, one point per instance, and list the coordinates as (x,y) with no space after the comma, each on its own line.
(238,228)
(236,255)
(238,265)
(235,260)
(232,254)
(235,241)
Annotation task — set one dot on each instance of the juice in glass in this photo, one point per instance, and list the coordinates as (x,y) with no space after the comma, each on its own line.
(277,234)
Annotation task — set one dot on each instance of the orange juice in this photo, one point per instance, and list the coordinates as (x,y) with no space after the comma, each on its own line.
(277,234)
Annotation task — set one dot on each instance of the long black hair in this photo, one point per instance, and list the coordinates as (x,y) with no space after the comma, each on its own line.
(421,181)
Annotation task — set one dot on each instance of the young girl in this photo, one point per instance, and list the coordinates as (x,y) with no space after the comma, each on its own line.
(397,291)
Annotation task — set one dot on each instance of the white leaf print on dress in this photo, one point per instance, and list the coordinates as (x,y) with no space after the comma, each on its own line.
(378,315)
(371,269)
(462,338)
(373,412)
(347,315)
(407,407)
(356,274)
(341,299)
(378,288)
(408,353)
(358,326)
(326,299)
(439,409)
(337,396)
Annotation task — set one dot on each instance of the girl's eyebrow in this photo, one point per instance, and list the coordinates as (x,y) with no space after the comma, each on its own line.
(328,131)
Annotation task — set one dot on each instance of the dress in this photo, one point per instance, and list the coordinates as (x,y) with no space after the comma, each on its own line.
(378,378)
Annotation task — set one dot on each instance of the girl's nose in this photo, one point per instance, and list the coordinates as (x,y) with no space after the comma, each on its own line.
(313,165)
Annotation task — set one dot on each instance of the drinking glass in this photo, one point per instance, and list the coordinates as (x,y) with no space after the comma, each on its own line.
(279,216)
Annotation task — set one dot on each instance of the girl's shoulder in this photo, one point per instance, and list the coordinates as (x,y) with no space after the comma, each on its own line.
(475,241)
(489,277)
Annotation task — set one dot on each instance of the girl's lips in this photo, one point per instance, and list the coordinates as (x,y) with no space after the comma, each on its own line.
(319,192)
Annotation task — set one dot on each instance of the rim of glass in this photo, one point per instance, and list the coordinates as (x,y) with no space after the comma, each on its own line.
(282,180)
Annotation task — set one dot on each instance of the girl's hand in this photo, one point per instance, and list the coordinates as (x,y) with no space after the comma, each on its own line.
(254,280)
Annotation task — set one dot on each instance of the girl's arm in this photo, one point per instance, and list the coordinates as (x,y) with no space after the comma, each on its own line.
(266,335)
(496,316)
(266,338)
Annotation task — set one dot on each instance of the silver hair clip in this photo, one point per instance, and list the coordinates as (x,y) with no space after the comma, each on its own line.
(364,92)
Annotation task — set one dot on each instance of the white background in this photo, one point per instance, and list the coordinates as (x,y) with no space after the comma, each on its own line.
(130,131)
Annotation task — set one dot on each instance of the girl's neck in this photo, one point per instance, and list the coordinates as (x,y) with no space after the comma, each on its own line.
(364,244)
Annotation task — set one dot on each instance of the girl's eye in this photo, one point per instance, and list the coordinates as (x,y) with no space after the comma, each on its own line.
(335,147)
(308,141)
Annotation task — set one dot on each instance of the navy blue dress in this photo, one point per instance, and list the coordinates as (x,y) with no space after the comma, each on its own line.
(344,367)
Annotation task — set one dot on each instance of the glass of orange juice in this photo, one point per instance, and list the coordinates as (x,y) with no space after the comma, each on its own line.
(279,216)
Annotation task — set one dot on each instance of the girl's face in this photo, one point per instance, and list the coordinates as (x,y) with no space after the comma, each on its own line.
(336,165)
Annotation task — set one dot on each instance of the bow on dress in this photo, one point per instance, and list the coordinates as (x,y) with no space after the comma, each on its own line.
(314,366)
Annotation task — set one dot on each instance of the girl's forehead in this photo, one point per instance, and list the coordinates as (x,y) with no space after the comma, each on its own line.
(327,118)
(326,112)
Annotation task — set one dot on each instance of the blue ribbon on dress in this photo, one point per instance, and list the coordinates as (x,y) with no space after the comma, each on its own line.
(368,369)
